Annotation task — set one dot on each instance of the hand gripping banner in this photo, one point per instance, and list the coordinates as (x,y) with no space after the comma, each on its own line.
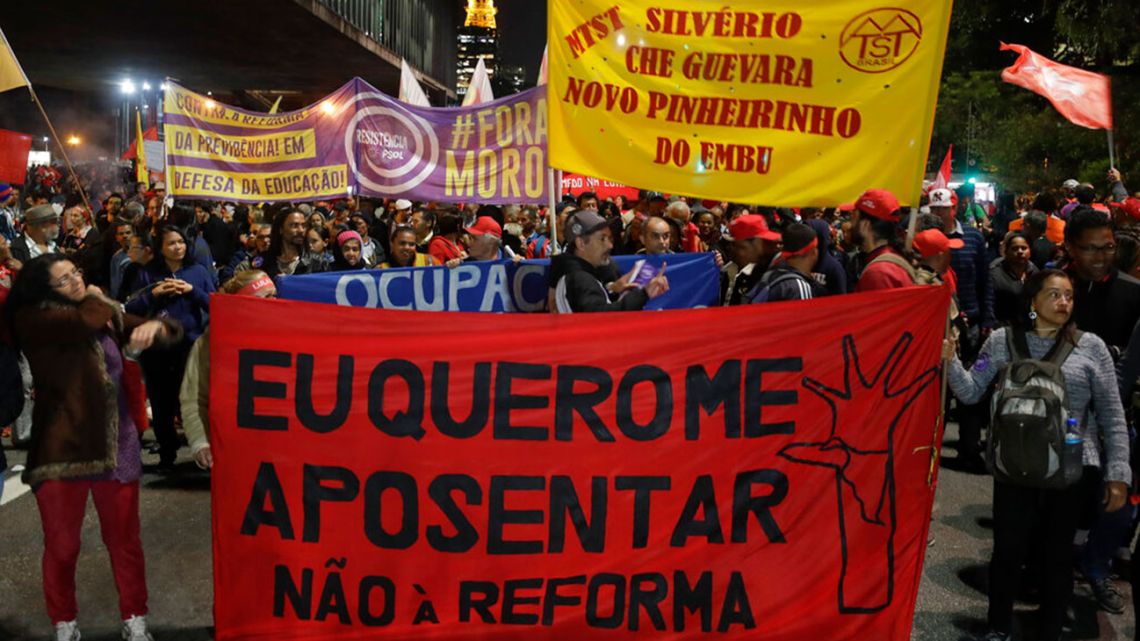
(739,473)
(358,140)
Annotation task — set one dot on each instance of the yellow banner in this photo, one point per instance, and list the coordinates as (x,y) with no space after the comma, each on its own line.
(296,184)
(781,103)
(192,142)
(141,173)
(182,102)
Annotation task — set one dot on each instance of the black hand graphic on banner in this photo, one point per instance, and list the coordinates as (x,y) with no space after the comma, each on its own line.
(860,450)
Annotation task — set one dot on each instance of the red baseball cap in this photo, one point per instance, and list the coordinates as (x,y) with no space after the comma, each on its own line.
(485,225)
(751,226)
(1130,206)
(879,203)
(933,242)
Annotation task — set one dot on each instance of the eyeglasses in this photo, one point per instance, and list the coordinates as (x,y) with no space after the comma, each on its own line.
(66,279)
(1097,249)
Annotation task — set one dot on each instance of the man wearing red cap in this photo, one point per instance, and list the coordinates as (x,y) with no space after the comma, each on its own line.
(874,223)
(486,237)
(1128,212)
(790,275)
(753,246)
(933,249)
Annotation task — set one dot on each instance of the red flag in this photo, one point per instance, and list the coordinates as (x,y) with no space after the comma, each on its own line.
(131,152)
(14,148)
(1081,96)
(943,177)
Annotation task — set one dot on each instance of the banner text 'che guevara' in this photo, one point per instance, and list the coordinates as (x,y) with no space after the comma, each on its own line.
(730,100)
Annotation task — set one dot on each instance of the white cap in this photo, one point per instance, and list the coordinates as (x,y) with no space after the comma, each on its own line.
(1070,184)
(403,204)
(941,198)
(159,185)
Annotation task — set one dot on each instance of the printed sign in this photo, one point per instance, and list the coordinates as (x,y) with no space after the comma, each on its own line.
(358,141)
(788,104)
(739,472)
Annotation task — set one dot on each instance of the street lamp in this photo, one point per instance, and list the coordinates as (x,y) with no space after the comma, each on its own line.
(127,87)
(74,140)
(146,86)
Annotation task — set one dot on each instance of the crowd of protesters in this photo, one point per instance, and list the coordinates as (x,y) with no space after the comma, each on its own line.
(1057,266)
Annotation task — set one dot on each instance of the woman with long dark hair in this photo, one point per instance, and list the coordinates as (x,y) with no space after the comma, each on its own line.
(172,285)
(1048,517)
(83,438)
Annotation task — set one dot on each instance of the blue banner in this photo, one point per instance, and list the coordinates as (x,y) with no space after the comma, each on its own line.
(489,286)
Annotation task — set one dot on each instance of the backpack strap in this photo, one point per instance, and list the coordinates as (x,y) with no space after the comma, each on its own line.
(1017,343)
(1062,348)
(895,259)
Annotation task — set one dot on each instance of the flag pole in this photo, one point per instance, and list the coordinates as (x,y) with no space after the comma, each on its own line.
(553,182)
(1111,155)
(940,422)
(62,150)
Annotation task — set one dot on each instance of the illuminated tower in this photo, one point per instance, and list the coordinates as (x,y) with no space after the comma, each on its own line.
(478,38)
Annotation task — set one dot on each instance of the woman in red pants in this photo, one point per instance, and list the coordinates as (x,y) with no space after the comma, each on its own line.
(83,438)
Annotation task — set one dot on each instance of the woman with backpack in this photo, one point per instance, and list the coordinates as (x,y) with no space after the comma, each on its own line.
(1037,498)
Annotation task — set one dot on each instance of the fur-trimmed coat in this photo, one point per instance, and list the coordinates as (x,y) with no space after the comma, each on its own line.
(75,423)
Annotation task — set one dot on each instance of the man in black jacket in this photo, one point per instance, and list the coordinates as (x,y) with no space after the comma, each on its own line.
(1107,301)
(585,277)
(789,277)
(41,227)
(1107,304)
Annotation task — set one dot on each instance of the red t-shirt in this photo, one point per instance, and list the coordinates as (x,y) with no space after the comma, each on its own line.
(882,275)
(443,249)
(691,238)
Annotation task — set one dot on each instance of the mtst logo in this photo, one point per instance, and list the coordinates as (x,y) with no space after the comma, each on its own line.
(880,39)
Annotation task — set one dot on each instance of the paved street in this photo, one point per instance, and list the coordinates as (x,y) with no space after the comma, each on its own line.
(176,535)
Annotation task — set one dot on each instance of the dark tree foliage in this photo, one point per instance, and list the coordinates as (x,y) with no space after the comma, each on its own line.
(1012,135)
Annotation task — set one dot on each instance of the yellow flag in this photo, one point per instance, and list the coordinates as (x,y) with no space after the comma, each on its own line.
(785,103)
(142,175)
(11,73)
(276,104)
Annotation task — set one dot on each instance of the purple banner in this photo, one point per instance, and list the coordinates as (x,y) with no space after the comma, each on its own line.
(360,141)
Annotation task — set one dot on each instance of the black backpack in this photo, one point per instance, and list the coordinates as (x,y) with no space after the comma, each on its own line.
(1030,419)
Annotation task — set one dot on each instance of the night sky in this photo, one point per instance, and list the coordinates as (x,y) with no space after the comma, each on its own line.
(522,33)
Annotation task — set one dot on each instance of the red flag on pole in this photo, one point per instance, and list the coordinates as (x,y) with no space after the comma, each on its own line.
(132,150)
(1081,96)
(943,177)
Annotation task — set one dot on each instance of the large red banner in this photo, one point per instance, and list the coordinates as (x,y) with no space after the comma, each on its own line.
(753,472)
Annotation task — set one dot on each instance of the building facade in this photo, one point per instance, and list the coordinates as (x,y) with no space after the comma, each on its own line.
(478,38)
